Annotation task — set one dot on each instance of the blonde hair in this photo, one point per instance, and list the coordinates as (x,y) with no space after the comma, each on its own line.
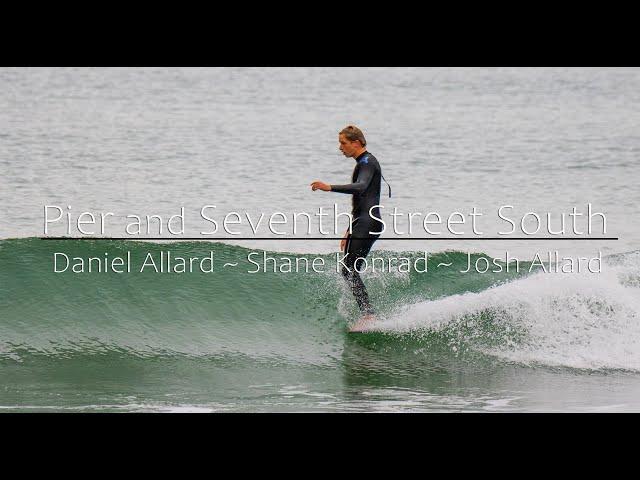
(353,133)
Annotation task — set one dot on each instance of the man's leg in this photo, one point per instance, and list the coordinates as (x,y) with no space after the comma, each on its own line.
(358,248)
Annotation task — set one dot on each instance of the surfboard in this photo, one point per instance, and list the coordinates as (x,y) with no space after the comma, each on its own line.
(362,324)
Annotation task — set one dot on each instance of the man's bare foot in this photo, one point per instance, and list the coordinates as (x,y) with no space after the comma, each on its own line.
(363,323)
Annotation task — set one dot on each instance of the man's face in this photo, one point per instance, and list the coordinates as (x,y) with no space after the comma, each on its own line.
(347,147)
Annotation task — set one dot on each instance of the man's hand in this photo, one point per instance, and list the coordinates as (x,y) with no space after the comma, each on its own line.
(317,185)
(343,242)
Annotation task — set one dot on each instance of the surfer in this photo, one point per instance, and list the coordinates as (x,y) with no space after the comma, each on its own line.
(365,188)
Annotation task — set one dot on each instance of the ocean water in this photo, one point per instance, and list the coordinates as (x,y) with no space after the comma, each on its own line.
(152,141)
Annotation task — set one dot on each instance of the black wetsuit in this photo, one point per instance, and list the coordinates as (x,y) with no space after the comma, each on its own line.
(365,189)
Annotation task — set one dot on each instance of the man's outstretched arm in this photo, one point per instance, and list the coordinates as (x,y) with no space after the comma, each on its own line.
(365,175)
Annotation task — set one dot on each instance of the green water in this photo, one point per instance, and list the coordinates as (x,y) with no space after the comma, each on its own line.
(232,341)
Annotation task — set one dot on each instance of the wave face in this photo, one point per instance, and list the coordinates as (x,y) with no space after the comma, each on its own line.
(206,333)
(229,310)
